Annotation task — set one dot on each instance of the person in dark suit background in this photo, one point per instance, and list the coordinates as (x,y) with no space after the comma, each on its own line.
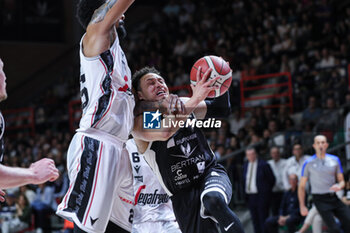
(258,182)
(289,214)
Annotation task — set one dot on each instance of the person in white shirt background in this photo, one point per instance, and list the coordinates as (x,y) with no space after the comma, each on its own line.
(294,164)
(277,165)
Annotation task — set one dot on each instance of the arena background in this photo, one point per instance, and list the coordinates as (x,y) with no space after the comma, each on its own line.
(289,58)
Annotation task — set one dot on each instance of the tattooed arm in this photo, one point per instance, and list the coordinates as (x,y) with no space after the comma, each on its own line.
(100,31)
(107,15)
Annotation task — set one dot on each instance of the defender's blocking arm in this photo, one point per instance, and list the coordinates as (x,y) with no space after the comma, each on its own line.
(107,15)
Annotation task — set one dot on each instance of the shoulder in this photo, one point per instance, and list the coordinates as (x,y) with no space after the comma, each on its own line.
(332,156)
(290,159)
(263,163)
(309,160)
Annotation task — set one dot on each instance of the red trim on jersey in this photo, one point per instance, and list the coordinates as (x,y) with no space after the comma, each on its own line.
(138,193)
(71,185)
(67,194)
(93,193)
(93,115)
(126,200)
(104,65)
(103,92)
(109,107)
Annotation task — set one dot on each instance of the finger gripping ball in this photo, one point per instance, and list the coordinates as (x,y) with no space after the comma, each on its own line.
(220,68)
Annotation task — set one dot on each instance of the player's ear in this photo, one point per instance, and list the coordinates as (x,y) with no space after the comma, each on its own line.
(140,95)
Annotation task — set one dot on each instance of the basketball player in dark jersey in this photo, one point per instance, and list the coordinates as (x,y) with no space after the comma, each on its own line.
(38,172)
(181,158)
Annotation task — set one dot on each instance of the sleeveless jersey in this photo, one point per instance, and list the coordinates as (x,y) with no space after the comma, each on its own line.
(105,85)
(2,130)
(152,203)
(180,161)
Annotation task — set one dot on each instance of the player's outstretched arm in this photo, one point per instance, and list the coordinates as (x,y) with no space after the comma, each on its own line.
(107,15)
(38,172)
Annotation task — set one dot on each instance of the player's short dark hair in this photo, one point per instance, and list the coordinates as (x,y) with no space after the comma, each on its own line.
(85,10)
(140,73)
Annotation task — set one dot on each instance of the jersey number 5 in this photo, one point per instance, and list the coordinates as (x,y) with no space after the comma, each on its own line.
(83,92)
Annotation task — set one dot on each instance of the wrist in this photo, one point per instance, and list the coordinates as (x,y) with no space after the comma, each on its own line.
(31,176)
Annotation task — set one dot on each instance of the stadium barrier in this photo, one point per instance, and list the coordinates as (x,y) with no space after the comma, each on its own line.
(268,91)
(19,119)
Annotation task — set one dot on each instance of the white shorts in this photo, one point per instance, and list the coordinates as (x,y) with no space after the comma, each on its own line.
(99,172)
(156,227)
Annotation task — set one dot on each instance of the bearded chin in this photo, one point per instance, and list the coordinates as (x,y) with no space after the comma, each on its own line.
(121,31)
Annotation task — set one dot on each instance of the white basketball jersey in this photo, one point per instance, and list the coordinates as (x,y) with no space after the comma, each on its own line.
(151,201)
(105,90)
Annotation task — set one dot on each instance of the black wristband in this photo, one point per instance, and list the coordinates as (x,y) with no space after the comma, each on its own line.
(219,107)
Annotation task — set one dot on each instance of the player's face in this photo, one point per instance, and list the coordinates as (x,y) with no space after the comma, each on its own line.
(153,88)
(320,144)
(3,94)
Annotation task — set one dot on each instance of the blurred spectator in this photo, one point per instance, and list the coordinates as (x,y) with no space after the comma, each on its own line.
(346,197)
(327,59)
(277,165)
(8,209)
(312,112)
(307,134)
(329,119)
(288,214)
(43,206)
(219,151)
(294,164)
(29,193)
(236,121)
(277,137)
(258,182)
(22,219)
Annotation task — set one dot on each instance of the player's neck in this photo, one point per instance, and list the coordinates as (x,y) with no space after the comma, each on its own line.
(321,155)
(141,145)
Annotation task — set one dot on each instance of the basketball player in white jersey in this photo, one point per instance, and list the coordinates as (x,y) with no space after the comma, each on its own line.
(152,210)
(39,172)
(98,166)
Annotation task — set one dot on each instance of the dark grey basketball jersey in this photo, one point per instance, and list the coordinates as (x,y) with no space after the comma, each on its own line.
(181,160)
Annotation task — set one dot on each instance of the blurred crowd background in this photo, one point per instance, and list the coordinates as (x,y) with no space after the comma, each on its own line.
(310,39)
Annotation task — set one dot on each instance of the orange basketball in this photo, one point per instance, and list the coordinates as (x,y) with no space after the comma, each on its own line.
(220,68)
